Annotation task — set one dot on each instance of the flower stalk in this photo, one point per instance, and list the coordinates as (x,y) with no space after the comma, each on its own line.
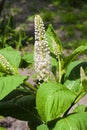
(57,51)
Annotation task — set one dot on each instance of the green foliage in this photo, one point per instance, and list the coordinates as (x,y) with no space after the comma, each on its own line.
(12,56)
(47,15)
(53,40)
(9,61)
(47,105)
(82,26)
(9,35)
(74,122)
(42,127)
(69,17)
(73,3)
(2,128)
(56,100)
(19,105)
(29,58)
(73,69)
(74,54)
(9,83)
(80,108)
(73,85)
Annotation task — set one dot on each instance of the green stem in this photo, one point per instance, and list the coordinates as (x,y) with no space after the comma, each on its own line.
(60,69)
(30,86)
(79,96)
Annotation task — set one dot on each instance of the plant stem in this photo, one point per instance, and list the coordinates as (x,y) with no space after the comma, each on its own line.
(68,109)
(60,68)
(30,86)
(79,96)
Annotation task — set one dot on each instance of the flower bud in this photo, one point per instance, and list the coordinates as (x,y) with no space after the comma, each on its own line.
(5,66)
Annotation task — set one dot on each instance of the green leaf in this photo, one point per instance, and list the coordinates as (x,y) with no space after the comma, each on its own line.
(74,85)
(83,78)
(34,121)
(15,93)
(74,54)
(80,108)
(53,100)
(42,127)
(18,107)
(72,122)
(84,84)
(29,58)
(73,69)
(52,38)
(22,107)
(82,75)
(9,83)
(12,56)
(54,64)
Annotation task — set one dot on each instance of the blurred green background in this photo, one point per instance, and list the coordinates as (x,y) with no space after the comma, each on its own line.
(68,17)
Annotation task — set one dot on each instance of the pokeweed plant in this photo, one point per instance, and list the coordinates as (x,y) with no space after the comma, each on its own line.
(60,83)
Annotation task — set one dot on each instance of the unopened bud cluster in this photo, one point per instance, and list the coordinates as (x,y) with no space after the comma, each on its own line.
(41,51)
(6,67)
(56,49)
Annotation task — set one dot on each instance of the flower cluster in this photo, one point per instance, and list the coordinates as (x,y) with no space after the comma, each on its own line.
(6,67)
(56,49)
(41,51)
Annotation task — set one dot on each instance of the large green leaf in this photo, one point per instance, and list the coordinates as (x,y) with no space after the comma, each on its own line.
(22,107)
(42,127)
(72,122)
(9,83)
(18,107)
(74,54)
(53,100)
(12,56)
(73,69)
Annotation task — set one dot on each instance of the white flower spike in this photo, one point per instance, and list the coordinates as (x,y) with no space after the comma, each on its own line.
(41,51)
